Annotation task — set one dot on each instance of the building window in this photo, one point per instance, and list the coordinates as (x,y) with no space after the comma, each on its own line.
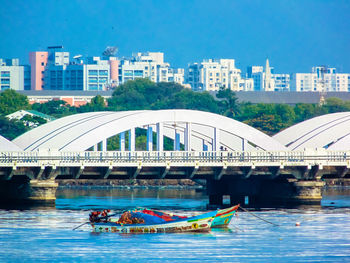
(5,87)
(103,72)
(138,73)
(93,72)
(128,72)
(92,80)
(42,64)
(93,87)
(5,73)
(5,81)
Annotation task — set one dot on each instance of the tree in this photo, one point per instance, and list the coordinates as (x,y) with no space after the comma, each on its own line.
(333,105)
(143,94)
(229,104)
(11,101)
(304,111)
(10,129)
(130,95)
(259,115)
(97,104)
(32,121)
(269,124)
(187,99)
(56,108)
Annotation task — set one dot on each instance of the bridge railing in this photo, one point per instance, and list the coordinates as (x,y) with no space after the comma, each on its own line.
(66,157)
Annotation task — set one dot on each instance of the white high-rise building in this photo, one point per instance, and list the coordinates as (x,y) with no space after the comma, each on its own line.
(281,82)
(267,80)
(322,79)
(149,65)
(13,76)
(213,75)
(269,83)
(263,80)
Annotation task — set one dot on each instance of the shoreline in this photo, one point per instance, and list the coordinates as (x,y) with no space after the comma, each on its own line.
(131,184)
(161,183)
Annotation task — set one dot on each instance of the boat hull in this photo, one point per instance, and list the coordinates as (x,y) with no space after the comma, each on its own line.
(224,217)
(201,223)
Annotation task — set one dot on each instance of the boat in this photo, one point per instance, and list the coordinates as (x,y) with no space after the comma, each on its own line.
(138,222)
(221,220)
(224,217)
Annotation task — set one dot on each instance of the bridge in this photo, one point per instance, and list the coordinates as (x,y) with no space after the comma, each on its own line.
(260,175)
(235,159)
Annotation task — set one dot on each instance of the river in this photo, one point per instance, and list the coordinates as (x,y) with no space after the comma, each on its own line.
(45,234)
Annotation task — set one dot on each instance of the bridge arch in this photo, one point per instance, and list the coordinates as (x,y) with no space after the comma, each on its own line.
(6,145)
(193,128)
(330,131)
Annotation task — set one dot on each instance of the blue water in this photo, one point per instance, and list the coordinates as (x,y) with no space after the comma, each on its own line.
(45,234)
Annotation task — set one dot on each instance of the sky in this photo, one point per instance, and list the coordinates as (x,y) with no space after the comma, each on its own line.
(293,34)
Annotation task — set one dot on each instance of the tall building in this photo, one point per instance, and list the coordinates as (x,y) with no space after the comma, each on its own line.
(149,65)
(267,80)
(14,76)
(62,75)
(53,70)
(213,75)
(269,83)
(281,82)
(321,79)
(177,75)
(257,74)
(38,61)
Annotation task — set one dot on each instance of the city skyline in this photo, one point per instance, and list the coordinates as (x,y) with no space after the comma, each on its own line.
(294,36)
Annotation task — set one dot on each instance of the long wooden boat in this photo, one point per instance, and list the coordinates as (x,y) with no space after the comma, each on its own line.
(222,218)
(199,223)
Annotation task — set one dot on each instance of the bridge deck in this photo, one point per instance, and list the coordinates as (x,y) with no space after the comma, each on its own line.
(181,164)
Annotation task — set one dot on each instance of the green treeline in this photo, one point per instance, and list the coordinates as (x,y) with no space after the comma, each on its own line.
(142,94)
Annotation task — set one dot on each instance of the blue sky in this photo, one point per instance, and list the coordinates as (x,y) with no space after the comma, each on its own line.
(294,34)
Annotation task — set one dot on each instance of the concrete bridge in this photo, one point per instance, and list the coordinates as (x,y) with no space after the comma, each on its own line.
(263,176)
(235,159)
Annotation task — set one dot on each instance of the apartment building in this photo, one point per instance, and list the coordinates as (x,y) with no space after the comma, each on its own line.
(213,75)
(321,79)
(63,74)
(149,65)
(13,75)
(267,80)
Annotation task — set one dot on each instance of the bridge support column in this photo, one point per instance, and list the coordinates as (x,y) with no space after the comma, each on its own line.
(149,138)
(104,145)
(28,191)
(215,200)
(216,190)
(122,141)
(187,136)
(265,193)
(293,192)
(216,140)
(132,140)
(177,141)
(160,137)
(244,144)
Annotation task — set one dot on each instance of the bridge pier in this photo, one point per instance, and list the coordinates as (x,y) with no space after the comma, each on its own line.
(265,193)
(28,191)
